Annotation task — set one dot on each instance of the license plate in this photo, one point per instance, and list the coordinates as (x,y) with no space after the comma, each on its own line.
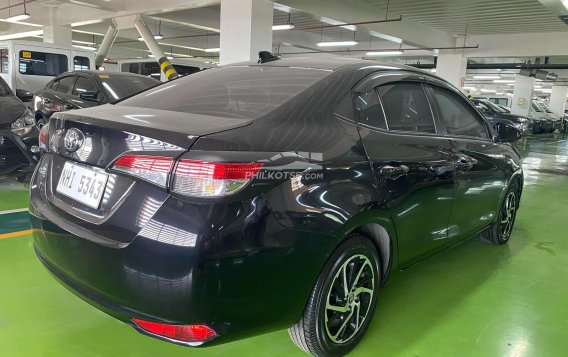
(82,184)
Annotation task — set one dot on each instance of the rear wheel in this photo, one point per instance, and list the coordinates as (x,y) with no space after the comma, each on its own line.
(500,231)
(343,301)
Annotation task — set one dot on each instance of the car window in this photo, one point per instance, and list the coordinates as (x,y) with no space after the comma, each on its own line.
(81,63)
(83,84)
(122,86)
(457,114)
(232,92)
(406,107)
(4,89)
(42,63)
(65,84)
(370,110)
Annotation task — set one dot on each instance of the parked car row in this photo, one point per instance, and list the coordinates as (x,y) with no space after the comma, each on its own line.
(19,125)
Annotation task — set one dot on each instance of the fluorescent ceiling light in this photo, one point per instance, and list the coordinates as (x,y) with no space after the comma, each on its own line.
(157,37)
(20,17)
(282,27)
(565,3)
(487,77)
(433,70)
(88,48)
(503,81)
(470,88)
(537,86)
(500,93)
(383,53)
(511,84)
(212,50)
(21,35)
(488,90)
(337,43)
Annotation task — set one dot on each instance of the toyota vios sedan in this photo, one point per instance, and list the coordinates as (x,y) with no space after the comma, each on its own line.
(256,197)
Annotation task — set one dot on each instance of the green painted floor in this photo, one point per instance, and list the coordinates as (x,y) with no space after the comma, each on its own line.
(473,300)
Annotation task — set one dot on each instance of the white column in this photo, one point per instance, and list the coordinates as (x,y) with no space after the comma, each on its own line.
(522,95)
(452,66)
(558,100)
(55,33)
(246,29)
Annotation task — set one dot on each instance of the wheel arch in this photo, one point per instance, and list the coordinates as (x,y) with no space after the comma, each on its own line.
(382,242)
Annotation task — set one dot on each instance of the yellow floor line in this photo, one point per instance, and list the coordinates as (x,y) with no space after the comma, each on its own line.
(16,234)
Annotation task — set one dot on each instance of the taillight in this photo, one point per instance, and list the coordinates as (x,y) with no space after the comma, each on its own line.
(43,138)
(155,169)
(183,333)
(212,179)
(190,178)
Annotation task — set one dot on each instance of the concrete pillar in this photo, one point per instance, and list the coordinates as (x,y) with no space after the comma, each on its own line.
(55,33)
(558,100)
(452,66)
(246,29)
(522,95)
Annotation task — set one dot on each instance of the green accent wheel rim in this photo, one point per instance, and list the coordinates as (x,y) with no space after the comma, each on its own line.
(349,299)
(508,216)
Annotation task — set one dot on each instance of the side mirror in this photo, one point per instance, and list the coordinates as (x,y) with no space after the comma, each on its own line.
(24,95)
(89,96)
(507,133)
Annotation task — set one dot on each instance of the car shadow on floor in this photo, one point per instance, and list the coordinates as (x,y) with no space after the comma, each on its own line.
(416,300)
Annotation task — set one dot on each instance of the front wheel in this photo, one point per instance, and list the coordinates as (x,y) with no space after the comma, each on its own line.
(500,231)
(342,302)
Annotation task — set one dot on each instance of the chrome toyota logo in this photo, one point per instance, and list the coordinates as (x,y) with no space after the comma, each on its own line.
(73,140)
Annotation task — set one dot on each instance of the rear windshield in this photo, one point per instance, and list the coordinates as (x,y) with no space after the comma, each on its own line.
(234,92)
(121,86)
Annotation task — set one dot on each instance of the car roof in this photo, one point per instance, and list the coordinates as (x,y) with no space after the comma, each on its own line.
(331,63)
(97,73)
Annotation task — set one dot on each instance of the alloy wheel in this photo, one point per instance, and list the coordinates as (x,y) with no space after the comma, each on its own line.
(508,216)
(349,299)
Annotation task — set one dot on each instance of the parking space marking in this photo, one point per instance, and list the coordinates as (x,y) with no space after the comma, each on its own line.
(16,234)
(18,210)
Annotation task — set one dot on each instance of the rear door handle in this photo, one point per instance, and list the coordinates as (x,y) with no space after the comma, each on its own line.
(465,163)
(393,172)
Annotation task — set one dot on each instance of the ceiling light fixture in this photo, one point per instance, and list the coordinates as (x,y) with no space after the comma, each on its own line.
(19,17)
(337,43)
(503,81)
(384,53)
(565,3)
(157,37)
(83,47)
(488,90)
(487,77)
(469,88)
(282,27)
(212,50)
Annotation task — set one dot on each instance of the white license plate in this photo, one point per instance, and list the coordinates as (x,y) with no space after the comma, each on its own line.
(82,184)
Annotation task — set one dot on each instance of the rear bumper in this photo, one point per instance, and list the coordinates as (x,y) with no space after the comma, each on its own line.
(232,267)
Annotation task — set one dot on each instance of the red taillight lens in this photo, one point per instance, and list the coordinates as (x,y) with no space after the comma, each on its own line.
(212,179)
(43,138)
(183,333)
(155,169)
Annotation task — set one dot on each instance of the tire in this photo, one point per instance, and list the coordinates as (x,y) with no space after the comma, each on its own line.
(322,331)
(500,231)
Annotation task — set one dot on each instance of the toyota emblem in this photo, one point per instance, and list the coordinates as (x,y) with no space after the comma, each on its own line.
(73,139)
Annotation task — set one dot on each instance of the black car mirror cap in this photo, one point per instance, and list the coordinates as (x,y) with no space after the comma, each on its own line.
(89,96)
(24,95)
(507,133)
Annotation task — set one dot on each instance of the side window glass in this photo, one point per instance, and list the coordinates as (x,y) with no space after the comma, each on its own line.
(370,110)
(406,107)
(459,117)
(81,63)
(83,84)
(65,84)
(54,84)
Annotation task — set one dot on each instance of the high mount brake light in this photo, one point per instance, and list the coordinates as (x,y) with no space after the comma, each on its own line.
(212,179)
(183,333)
(190,178)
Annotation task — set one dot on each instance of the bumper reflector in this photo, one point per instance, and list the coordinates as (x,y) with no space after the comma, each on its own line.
(183,333)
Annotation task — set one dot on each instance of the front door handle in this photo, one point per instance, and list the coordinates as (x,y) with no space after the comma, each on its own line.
(46,101)
(393,172)
(68,106)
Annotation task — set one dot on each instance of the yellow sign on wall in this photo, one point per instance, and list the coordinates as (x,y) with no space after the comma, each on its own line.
(26,54)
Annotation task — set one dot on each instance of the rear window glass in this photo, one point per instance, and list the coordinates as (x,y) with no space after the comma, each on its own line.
(235,92)
(121,86)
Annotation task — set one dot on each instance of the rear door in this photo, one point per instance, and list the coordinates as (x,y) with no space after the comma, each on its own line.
(60,97)
(480,177)
(411,161)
